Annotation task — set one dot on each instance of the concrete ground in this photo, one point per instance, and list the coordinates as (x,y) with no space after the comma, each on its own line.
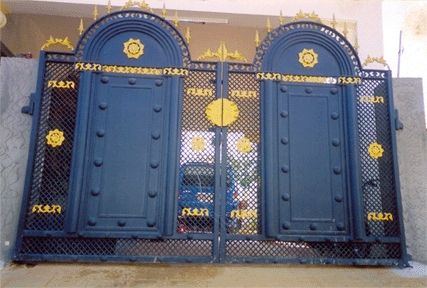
(192,275)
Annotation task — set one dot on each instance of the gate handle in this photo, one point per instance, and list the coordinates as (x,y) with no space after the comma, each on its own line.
(29,109)
(398,124)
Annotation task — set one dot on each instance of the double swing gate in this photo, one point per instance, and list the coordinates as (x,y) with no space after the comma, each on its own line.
(140,154)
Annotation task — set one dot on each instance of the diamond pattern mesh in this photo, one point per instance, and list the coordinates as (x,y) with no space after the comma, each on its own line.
(52,164)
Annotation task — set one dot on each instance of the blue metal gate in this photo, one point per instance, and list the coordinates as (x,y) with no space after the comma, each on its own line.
(140,154)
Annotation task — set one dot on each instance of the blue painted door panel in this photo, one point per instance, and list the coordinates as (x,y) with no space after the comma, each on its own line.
(308,188)
(127,157)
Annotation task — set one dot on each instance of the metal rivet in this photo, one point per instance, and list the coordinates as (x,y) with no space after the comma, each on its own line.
(286,225)
(284,140)
(154,164)
(102,105)
(100,133)
(284,114)
(95,191)
(285,168)
(337,170)
(284,88)
(313,227)
(121,223)
(98,162)
(152,194)
(336,142)
(91,222)
(132,81)
(151,223)
(105,79)
(159,82)
(334,90)
(308,90)
(340,226)
(335,115)
(155,135)
(338,198)
(157,108)
(286,197)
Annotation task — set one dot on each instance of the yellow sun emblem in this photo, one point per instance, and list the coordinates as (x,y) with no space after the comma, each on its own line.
(55,138)
(133,48)
(244,145)
(375,150)
(198,144)
(222,112)
(308,58)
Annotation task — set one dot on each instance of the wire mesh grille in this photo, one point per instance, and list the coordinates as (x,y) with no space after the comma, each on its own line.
(197,171)
(379,192)
(243,151)
(52,164)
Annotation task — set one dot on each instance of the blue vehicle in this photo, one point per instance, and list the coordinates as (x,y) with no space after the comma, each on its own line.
(196,198)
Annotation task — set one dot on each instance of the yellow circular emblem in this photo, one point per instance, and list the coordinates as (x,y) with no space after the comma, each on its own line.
(55,138)
(222,112)
(133,48)
(375,150)
(308,58)
(244,145)
(198,144)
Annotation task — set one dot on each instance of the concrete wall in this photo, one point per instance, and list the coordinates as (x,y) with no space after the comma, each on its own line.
(17,81)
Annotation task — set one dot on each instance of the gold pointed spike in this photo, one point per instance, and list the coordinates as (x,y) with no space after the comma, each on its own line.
(164,11)
(334,22)
(257,41)
(356,44)
(188,35)
(175,20)
(81,27)
(268,25)
(281,19)
(95,12)
(109,7)
(345,30)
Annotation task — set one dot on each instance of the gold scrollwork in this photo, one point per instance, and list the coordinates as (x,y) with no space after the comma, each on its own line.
(375,150)
(269,76)
(198,144)
(133,48)
(379,60)
(308,58)
(53,41)
(349,80)
(49,209)
(131,70)
(308,79)
(87,66)
(372,99)
(140,4)
(380,216)
(55,138)
(222,54)
(301,16)
(192,91)
(194,212)
(222,112)
(243,93)
(175,71)
(244,145)
(243,214)
(61,84)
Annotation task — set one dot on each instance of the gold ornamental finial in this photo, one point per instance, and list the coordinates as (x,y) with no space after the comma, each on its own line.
(53,41)
(222,54)
(176,20)
(301,16)
(268,25)
(257,41)
(109,7)
(333,22)
(164,11)
(281,20)
(345,30)
(95,12)
(187,35)
(379,60)
(81,27)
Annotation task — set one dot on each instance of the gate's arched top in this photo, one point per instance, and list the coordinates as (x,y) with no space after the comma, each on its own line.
(307,48)
(134,38)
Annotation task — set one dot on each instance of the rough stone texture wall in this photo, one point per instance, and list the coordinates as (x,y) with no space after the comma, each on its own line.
(17,82)
(412,153)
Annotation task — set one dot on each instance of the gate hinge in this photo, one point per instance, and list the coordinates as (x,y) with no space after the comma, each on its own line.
(398,124)
(29,109)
